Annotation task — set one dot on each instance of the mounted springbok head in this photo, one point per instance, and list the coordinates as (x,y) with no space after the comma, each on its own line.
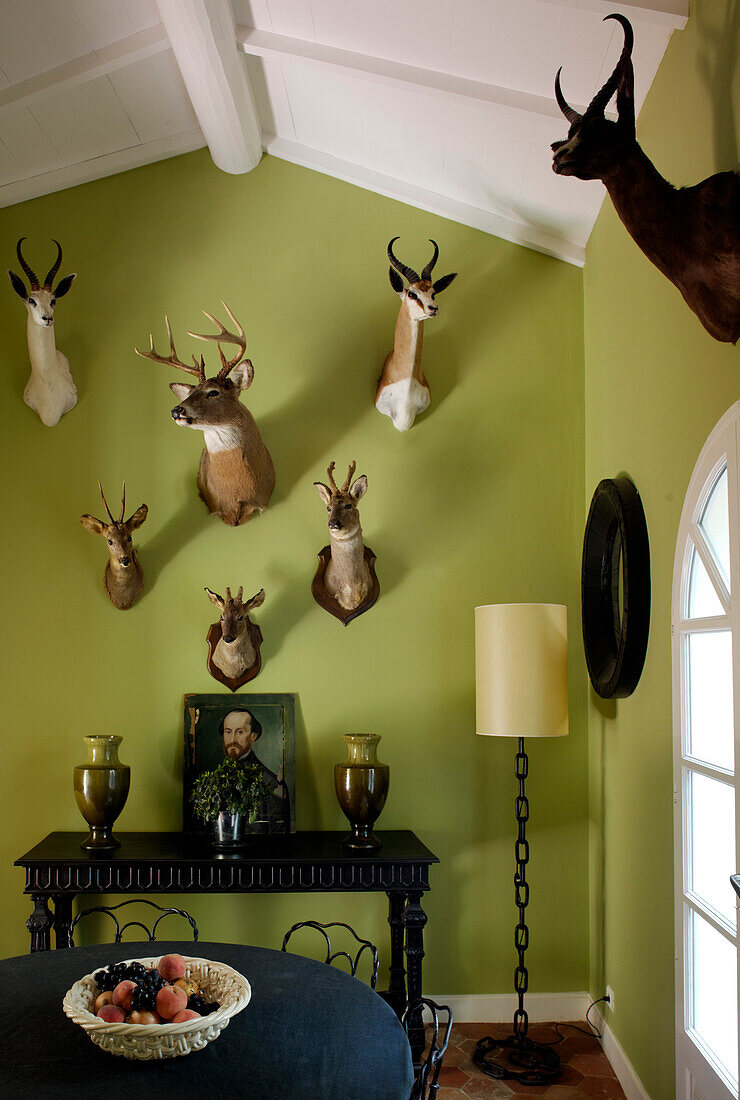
(236,476)
(50,391)
(234,642)
(691,234)
(345,583)
(403,391)
(123,579)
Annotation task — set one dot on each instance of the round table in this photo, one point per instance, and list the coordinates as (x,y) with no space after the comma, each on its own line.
(309,1032)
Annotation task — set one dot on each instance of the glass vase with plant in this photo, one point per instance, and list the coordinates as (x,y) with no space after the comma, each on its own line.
(228,799)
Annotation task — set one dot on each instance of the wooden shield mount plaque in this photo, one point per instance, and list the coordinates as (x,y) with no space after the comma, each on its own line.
(323,599)
(214,637)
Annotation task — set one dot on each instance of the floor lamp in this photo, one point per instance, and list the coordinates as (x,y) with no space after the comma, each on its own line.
(521,657)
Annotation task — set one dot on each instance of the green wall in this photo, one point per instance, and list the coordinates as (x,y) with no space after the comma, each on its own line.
(480,502)
(656,383)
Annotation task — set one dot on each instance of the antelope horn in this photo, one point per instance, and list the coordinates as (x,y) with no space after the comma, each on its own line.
(409,272)
(350,474)
(240,592)
(32,276)
(54,267)
(330,475)
(123,502)
(427,272)
(571,115)
(600,100)
(105,502)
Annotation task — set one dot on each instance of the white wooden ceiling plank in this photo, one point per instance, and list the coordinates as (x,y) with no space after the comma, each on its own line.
(4,81)
(103,23)
(142,13)
(85,122)
(121,161)
(672,14)
(154,97)
(91,65)
(43,35)
(253,13)
(292,18)
(28,143)
(326,113)
(203,38)
(396,31)
(268,87)
(10,169)
(418,197)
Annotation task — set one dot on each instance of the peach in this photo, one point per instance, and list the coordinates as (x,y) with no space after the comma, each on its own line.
(112,1014)
(171,967)
(186,1014)
(143,1016)
(171,1000)
(103,999)
(123,993)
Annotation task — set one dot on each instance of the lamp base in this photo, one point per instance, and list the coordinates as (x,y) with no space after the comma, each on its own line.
(519,1059)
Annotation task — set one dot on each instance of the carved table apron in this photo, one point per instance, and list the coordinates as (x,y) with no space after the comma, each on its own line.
(57,869)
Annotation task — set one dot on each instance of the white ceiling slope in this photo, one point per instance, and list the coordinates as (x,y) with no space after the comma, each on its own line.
(445,106)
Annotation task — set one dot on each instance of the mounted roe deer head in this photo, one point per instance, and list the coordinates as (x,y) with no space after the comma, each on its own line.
(691,234)
(403,391)
(50,391)
(345,583)
(234,642)
(123,579)
(236,476)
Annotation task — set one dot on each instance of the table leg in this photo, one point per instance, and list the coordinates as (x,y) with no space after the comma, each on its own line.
(414,919)
(62,919)
(395,995)
(39,923)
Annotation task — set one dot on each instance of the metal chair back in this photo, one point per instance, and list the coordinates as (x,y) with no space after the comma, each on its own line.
(426,1084)
(332,955)
(121,928)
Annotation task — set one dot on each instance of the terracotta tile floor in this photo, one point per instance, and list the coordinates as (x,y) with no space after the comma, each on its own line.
(586,1071)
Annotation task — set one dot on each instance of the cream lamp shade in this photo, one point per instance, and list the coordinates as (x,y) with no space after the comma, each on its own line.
(521,663)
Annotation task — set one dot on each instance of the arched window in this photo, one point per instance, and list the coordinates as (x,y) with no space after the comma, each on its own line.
(706,724)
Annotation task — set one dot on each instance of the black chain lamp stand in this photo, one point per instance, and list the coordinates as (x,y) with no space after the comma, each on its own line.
(519,1057)
(521,687)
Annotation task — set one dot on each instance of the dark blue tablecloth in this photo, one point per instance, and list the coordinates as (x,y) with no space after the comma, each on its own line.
(310,1032)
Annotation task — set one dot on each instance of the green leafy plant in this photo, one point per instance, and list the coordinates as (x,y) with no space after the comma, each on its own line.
(229,788)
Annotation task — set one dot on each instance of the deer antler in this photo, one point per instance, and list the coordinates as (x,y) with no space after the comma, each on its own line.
(350,475)
(330,475)
(199,370)
(237,338)
(123,502)
(105,502)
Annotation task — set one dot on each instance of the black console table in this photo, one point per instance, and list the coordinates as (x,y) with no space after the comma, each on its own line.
(57,869)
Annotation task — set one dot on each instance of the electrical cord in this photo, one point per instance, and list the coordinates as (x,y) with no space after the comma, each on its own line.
(593,1032)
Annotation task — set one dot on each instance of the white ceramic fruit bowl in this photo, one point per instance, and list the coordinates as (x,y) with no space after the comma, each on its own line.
(218,981)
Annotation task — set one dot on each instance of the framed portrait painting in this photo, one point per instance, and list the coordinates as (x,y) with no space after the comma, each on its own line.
(251,729)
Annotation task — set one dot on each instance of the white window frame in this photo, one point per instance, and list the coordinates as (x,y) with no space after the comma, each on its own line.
(698,1075)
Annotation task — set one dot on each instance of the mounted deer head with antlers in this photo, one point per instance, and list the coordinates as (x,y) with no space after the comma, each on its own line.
(123,579)
(345,583)
(50,391)
(403,391)
(691,234)
(236,475)
(234,642)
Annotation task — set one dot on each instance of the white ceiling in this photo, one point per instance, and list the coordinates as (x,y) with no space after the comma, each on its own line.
(445,105)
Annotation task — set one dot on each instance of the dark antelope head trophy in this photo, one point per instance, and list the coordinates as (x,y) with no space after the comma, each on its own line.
(341,504)
(420,294)
(40,300)
(595,145)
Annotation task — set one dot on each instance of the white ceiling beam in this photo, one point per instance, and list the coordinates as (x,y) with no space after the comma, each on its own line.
(203,38)
(259,43)
(126,51)
(506,228)
(666,13)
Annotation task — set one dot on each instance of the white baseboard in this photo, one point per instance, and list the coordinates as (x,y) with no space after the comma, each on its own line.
(498,1008)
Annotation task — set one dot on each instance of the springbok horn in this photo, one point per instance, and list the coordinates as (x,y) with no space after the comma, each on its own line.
(600,100)
(409,272)
(571,115)
(123,502)
(105,502)
(350,474)
(54,267)
(32,276)
(427,272)
(330,475)
(240,592)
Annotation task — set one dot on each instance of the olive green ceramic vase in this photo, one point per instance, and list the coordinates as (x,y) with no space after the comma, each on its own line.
(101,789)
(361,783)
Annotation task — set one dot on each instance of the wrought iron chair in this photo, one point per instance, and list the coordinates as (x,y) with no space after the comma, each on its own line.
(426,1084)
(120,929)
(331,956)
